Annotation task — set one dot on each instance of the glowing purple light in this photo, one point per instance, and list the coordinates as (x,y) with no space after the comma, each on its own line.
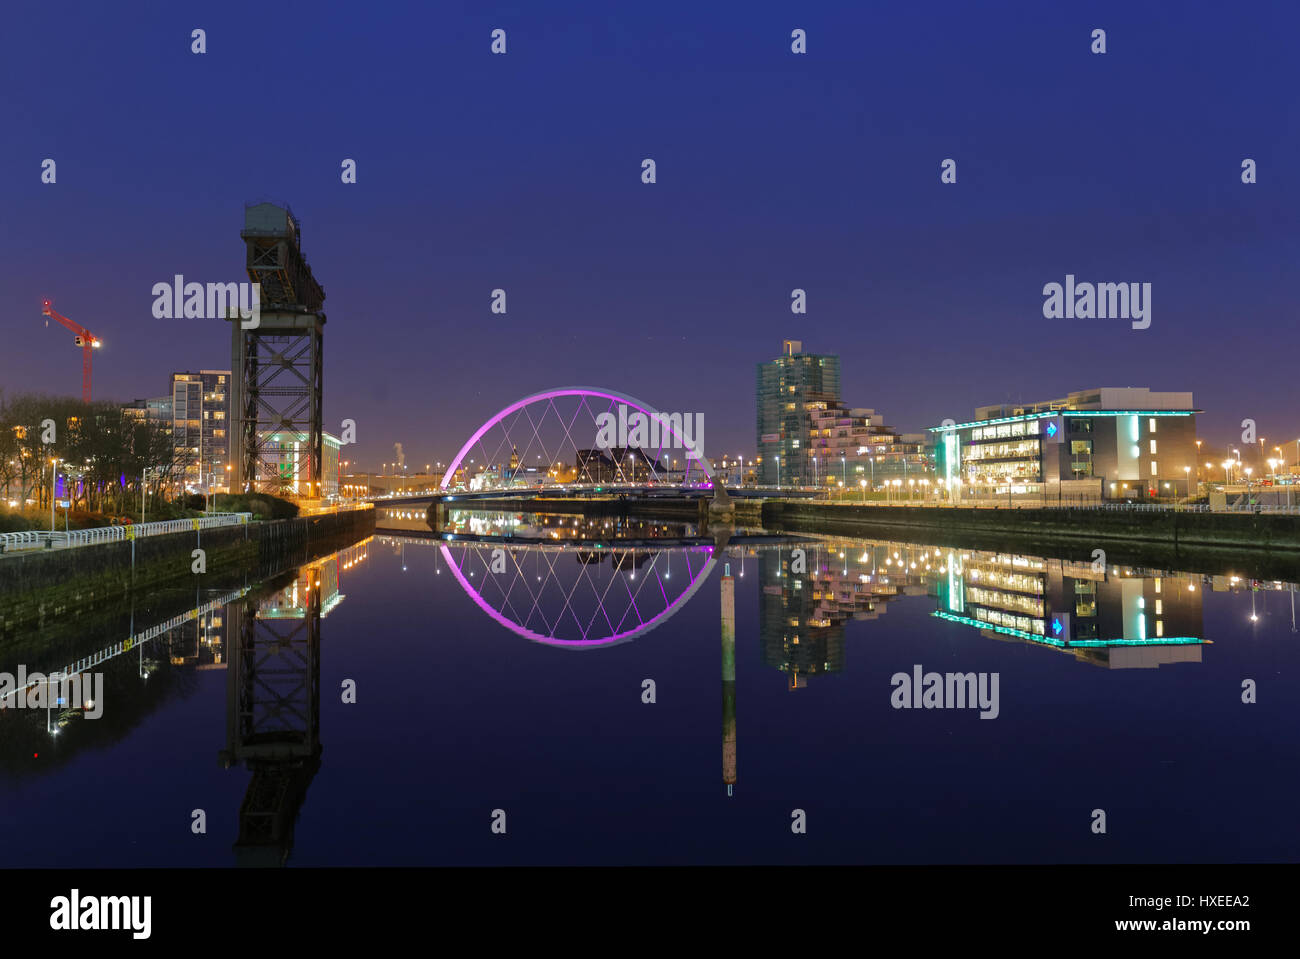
(584,392)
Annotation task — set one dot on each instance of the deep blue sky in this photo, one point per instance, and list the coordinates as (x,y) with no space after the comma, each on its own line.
(775,171)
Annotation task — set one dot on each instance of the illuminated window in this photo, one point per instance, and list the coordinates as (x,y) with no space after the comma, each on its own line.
(1151,424)
(1154,471)
(1153,447)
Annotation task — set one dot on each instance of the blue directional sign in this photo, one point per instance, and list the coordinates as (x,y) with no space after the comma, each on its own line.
(1051,428)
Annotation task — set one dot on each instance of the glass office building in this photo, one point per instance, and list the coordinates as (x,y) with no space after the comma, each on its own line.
(1092,445)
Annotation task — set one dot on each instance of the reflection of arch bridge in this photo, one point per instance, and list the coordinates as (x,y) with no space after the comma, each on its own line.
(581,593)
(560,439)
(576,598)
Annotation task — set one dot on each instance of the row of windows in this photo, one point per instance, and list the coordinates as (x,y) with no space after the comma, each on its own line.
(1005,430)
(1025,449)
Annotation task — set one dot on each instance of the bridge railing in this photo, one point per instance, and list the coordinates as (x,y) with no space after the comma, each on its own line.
(67,539)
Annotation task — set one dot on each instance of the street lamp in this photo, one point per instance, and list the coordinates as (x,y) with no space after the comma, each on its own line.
(1187,477)
(1227,479)
(863,484)
(54,475)
(778,473)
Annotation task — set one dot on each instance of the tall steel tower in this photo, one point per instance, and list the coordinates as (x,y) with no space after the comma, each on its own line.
(276,397)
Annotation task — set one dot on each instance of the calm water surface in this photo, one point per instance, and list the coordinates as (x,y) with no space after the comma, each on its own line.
(515,680)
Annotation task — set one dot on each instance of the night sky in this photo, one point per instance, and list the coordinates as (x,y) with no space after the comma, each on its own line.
(775,171)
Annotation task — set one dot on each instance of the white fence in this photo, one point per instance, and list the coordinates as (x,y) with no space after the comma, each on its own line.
(61,539)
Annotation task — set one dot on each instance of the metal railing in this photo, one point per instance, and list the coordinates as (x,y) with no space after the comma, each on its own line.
(68,539)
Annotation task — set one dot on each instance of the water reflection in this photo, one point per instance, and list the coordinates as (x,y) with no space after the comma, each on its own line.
(273,701)
(808,609)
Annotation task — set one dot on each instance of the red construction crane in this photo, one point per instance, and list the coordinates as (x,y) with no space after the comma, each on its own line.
(83,339)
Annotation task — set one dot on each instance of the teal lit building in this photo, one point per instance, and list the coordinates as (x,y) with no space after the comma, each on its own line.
(1091,446)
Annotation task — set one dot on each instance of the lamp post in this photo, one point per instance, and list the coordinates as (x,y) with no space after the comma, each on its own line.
(54,476)
(844,474)
(863,484)
(1187,477)
(815,482)
(778,473)
(144,482)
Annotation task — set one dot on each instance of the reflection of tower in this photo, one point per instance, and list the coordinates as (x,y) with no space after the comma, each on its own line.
(273,712)
(728,679)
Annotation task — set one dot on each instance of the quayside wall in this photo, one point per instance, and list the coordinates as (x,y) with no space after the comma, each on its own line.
(40,584)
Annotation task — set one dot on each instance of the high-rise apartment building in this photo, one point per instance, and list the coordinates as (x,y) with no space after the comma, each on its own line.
(200,427)
(818,439)
(787,386)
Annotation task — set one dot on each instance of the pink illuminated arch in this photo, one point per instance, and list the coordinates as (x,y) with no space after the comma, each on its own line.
(595,401)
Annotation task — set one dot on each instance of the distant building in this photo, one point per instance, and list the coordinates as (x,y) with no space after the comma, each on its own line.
(156,409)
(200,427)
(1093,444)
(617,465)
(287,452)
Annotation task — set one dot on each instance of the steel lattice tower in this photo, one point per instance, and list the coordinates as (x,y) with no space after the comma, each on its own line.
(276,396)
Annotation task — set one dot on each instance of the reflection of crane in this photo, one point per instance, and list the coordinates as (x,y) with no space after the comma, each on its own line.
(84,339)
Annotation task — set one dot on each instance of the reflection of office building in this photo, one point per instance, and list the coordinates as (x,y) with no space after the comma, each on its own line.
(199,643)
(200,407)
(802,614)
(1113,618)
(1106,443)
